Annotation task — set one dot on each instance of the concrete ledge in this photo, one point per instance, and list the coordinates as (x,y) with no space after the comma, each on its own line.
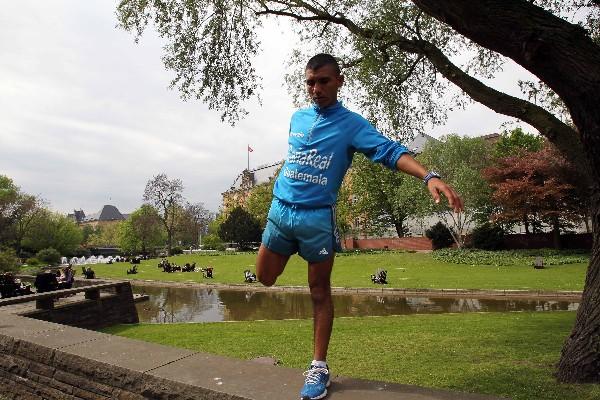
(45,360)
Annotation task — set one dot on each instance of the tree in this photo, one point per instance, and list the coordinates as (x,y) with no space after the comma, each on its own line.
(395,56)
(193,222)
(27,208)
(17,211)
(142,231)
(460,161)
(8,260)
(106,235)
(166,197)
(259,202)
(373,192)
(240,227)
(516,141)
(344,215)
(538,186)
(49,229)
(86,232)
(8,197)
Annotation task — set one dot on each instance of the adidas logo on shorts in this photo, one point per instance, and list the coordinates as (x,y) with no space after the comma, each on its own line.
(323,251)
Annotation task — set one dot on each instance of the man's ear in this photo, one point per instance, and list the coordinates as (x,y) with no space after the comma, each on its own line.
(340,80)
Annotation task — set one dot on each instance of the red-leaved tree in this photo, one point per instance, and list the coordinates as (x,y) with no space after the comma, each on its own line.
(538,186)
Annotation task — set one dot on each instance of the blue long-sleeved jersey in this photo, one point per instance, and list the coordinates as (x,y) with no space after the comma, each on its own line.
(322,142)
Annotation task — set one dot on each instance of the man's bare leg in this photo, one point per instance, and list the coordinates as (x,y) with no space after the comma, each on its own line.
(319,281)
(269,265)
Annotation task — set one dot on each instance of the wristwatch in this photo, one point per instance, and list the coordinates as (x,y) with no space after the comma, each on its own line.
(431,174)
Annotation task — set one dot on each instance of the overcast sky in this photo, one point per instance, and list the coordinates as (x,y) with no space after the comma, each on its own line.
(86,116)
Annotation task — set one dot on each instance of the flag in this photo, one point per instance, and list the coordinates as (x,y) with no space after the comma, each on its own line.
(250,150)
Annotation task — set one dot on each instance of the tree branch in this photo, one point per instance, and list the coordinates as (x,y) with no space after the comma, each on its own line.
(561,54)
(560,134)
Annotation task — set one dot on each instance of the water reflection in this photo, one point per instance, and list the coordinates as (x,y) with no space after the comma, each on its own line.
(168,304)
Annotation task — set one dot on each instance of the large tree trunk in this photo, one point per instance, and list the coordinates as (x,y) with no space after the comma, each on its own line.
(567,60)
(580,358)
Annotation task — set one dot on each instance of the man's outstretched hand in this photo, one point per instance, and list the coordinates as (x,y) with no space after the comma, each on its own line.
(437,186)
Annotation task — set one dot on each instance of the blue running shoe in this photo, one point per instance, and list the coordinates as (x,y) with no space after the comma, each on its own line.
(316,383)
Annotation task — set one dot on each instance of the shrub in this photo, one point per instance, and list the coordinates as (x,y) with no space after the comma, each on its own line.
(488,237)
(510,257)
(48,255)
(8,260)
(176,250)
(33,262)
(440,236)
(212,242)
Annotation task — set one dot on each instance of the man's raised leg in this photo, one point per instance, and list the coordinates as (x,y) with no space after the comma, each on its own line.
(269,265)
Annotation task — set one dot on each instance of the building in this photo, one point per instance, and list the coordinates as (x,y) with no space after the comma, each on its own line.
(418,143)
(109,214)
(240,189)
(78,216)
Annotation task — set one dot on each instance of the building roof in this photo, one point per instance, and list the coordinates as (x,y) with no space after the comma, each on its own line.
(416,145)
(492,137)
(78,216)
(108,213)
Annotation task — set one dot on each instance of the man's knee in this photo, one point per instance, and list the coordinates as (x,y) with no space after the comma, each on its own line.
(265,278)
(320,292)
(269,265)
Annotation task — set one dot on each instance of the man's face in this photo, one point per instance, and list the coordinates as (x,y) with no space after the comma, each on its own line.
(323,85)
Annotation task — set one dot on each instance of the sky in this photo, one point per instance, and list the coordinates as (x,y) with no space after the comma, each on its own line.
(87,118)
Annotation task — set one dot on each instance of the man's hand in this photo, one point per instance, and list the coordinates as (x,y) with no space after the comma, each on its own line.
(437,186)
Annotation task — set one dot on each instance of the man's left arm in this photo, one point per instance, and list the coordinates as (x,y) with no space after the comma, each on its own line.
(407,164)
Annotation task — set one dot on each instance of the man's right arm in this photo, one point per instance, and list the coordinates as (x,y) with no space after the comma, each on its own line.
(407,164)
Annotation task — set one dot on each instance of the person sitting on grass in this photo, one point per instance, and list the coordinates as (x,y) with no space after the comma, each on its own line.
(322,140)
(249,277)
(67,277)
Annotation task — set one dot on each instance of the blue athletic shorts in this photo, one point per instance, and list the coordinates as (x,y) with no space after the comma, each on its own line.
(311,232)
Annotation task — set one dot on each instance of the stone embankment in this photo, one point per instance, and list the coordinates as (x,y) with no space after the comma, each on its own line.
(566,295)
(47,360)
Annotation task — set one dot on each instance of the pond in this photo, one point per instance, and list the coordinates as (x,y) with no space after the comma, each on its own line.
(185,304)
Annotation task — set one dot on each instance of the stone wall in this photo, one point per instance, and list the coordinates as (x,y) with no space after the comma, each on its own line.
(405,243)
(33,371)
(112,308)
(44,360)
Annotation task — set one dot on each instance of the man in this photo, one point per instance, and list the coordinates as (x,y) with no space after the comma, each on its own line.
(322,141)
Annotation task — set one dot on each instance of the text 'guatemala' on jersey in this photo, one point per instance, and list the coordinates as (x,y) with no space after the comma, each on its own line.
(321,145)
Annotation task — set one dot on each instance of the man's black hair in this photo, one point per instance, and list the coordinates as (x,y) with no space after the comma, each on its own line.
(321,60)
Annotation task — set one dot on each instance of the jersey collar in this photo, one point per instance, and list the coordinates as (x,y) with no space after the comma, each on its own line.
(329,109)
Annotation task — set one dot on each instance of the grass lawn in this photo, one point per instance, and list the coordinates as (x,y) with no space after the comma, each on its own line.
(405,270)
(505,354)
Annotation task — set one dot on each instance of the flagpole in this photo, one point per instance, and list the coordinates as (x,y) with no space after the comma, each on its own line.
(248,152)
